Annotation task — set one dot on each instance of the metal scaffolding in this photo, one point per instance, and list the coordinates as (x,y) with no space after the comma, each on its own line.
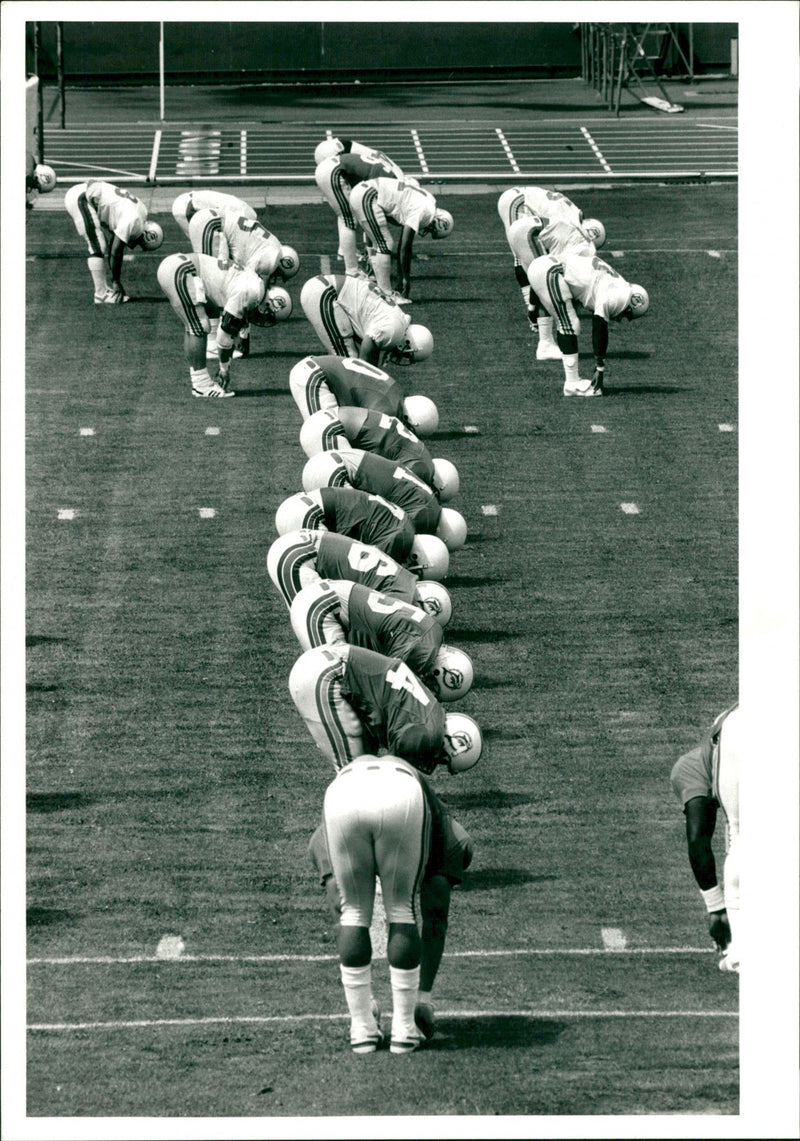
(617,56)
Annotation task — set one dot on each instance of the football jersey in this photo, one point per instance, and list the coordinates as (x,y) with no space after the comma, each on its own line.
(371,314)
(392,481)
(695,773)
(397,710)
(339,556)
(406,204)
(361,167)
(560,237)
(228,287)
(377,621)
(551,204)
(216,200)
(387,436)
(368,518)
(597,286)
(372,156)
(118,210)
(359,383)
(249,244)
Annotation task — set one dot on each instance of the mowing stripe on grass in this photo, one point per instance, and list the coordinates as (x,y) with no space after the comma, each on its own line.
(117,960)
(273,1019)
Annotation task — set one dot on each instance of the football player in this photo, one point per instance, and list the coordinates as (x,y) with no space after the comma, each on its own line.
(352,318)
(382,818)
(232,237)
(550,206)
(186,205)
(704,780)
(368,518)
(382,203)
(300,558)
(331,147)
(342,611)
(560,282)
(336,176)
(39,179)
(449,858)
(373,431)
(393,482)
(355,701)
(111,220)
(200,288)
(530,237)
(328,382)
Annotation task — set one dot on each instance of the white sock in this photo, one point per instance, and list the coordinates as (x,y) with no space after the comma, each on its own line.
(525,290)
(545,327)
(357,983)
(200,377)
(405,988)
(97,268)
(571,366)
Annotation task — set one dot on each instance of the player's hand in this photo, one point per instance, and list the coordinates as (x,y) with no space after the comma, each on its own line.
(719,929)
(118,293)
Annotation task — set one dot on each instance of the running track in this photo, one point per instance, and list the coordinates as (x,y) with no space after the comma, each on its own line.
(557,149)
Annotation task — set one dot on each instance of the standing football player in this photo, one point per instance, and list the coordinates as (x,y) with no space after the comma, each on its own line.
(200,288)
(559,282)
(352,318)
(375,822)
(111,220)
(355,701)
(704,780)
(379,204)
(341,611)
(300,558)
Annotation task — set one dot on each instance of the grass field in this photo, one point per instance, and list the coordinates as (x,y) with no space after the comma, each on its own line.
(172,787)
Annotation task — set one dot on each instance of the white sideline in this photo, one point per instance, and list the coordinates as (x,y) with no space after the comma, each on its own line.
(111,960)
(145,1023)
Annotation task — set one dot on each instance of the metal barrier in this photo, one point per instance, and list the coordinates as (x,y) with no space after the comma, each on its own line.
(614,56)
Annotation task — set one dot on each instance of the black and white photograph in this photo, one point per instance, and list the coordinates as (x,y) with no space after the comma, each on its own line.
(399,550)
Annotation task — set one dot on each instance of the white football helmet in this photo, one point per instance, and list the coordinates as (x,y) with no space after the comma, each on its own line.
(327,149)
(152,235)
(452,529)
(435,600)
(322,432)
(463,742)
(639,302)
(445,479)
(277,302)
(298,512)
(429,558)
(45,178)
(452,673)
(417,346)
(594,230)
(326,469)
(442,224)
(421,415)
(288,263)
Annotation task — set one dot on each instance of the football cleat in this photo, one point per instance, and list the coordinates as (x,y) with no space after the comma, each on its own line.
(408,1043)
(582,388)
(421,415)
(212,389)
(452,673)
(463,742)
(423,1017)
(111,297)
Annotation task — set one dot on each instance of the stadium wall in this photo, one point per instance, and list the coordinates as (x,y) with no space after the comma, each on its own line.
(225,52)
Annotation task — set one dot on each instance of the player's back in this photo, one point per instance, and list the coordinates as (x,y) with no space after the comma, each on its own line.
(369,518)
(116,207)
(393,701)
(341,557)
(397,484)
(250,244)
(217,200)
(362,167)
(387,435)
(377,621)
(361,384)
(228,285)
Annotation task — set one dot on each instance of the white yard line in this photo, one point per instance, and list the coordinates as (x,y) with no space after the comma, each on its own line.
(597,151)
(508,150)
(420,152)
(154,156)
(286,1019)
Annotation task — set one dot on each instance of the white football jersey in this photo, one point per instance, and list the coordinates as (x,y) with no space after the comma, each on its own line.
(597,286)
(216,200)
(559,238)
(118,210)
(409,205)
(372,314)
(229,287)
(551,204)
(249,244)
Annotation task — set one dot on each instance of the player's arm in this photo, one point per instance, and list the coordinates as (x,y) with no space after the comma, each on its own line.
(404,249)
(116,253)
(599,344)
(369,351)
(701,818)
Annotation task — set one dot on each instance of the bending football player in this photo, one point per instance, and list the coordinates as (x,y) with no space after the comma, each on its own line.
(336,175)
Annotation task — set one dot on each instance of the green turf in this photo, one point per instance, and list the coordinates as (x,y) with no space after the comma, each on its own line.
(172,786)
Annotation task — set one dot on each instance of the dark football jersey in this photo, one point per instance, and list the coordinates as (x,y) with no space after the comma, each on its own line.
(355,169)
(368,518)
(379,622)
(359,383)
(397,484)
(397,710)
(341,557)
(387,436)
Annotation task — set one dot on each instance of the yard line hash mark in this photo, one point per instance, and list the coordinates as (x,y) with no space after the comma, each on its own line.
(420,152)
(273,1019)
(66,513)
(212,431)
(613,938)
(726,428)
(598,428)
(490,509)
(630,508)
(87,431)
(509,152)
(206,512)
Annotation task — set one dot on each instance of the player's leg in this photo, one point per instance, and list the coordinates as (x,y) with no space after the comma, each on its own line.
(546,276)
(314,615)
(178,279)
(307,382)
(727,785)
(315,685)
(372,219)
(182,212)
(349,815)
(318,300)
(87,224)
(291,564)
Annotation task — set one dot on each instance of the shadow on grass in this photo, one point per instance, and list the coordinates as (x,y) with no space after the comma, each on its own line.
(56,801)
(453,434)
(512,1031)
(47,916)
(491,683)
(485,879)
(36,688)
(44,639)
(249,393)
(642,390)
(489,798)
(456,635)
(473,580)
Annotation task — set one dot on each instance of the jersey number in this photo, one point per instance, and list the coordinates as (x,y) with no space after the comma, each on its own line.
(363,558)
(402,678)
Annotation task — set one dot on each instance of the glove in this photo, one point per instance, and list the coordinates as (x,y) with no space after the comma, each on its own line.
(719,929)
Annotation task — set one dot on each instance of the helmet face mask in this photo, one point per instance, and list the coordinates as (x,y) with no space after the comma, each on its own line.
(275,305)
(417,346)
(442,225)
